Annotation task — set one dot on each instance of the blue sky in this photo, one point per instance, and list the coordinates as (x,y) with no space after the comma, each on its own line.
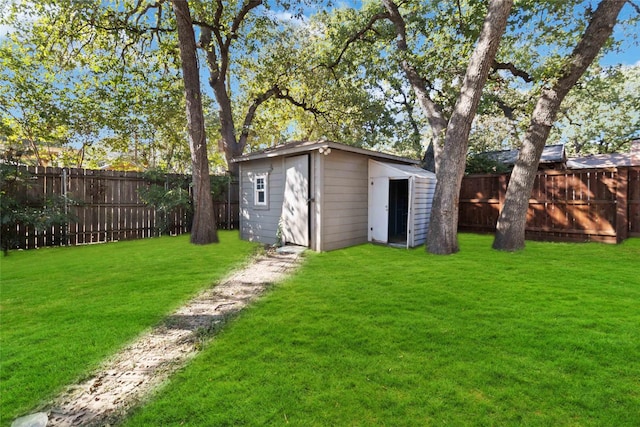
(630,55)
(629,52)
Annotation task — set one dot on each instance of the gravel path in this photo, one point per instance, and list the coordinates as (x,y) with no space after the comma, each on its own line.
(143,365)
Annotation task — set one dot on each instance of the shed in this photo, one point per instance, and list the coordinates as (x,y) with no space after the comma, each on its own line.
(405,193)
(325,195)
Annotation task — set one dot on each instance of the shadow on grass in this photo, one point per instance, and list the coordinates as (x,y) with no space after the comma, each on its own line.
(194,322)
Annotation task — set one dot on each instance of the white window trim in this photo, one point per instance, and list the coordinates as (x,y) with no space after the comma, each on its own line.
(256,191)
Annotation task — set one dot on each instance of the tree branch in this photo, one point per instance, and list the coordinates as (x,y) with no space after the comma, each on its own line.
(461,24)
(203,24)
(506,109)
(513,69)
(433,111)
(634,5)
(237,21)
(358,36)
(212,59)
(276,92)
(156,5)
(408,107)
(216,22)
(225,44)
(248,119)
(566,115)
(284,94)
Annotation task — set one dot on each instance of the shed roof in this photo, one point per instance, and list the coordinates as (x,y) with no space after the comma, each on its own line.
(407,170)
(296,147)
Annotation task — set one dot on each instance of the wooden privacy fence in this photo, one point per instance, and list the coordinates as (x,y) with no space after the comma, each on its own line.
(574,205)
(105,206)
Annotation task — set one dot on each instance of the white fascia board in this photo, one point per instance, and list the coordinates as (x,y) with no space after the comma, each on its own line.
(311,146)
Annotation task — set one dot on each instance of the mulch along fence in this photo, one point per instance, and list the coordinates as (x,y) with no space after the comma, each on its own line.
(107,207)
(575,205)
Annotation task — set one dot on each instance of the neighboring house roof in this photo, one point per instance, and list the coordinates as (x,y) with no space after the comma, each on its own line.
(613,160)
(603,161)
(550,154)
(296,147)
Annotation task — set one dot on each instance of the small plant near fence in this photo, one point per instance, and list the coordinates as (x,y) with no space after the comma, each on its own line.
(166,193)
(481,163)
(50,206)
(21,210)
(219,185)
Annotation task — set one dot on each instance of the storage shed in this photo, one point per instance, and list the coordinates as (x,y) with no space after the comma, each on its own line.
(405,194)
(326,195)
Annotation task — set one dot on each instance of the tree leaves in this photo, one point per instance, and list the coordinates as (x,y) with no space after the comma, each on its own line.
(106,73)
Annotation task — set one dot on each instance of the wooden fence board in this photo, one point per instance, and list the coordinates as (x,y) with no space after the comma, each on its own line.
(633,202)
(574,205)
(108,207)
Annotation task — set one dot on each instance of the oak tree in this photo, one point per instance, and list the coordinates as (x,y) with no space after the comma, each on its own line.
(203,229)
(510,229)
(450,131)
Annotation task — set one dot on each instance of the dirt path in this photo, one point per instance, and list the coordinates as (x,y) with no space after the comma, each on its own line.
(150,360)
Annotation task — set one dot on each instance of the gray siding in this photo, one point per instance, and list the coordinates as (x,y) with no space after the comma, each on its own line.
(345,199)
(257,223)
(339,184)
(424,190)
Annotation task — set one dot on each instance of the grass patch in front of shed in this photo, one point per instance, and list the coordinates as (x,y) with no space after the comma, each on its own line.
(372,335)
(64,310)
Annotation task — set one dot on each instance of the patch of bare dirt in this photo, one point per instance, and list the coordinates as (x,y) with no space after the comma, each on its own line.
(143,365)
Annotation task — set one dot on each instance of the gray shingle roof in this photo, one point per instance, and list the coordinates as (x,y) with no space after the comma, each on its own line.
(550,154)
(593,161)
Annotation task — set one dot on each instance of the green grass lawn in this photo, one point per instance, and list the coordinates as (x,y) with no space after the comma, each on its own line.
(372,335)
(64,310)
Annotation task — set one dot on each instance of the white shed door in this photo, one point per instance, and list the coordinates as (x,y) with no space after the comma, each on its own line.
(379,209)
(295,209)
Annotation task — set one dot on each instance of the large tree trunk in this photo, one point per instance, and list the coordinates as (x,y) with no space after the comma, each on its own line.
(443,226)
(510,230)
(218,66)
(232,148)
(203,230)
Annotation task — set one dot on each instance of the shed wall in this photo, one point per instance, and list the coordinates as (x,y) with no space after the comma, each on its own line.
(424,189)
(257,223)
(344,200)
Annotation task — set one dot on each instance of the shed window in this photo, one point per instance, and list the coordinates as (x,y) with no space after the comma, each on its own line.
(260,190)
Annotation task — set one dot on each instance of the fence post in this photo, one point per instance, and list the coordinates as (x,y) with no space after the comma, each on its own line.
(229,203)
(622,208)
(65,227)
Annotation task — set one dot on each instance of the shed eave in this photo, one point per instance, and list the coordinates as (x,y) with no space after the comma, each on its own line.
(285,151)
(401,171)
(278,152)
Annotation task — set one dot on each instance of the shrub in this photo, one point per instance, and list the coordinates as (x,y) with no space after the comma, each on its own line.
(18,208)
(480,163)
(166,193)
